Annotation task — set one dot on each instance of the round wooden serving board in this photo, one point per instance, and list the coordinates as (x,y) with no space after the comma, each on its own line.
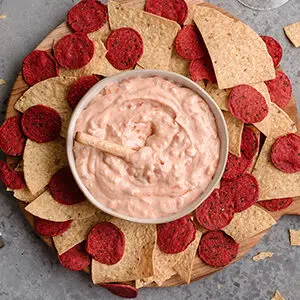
(200,269)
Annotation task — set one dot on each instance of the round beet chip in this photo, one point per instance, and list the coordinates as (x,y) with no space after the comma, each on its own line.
(189,43)
(216,211)
(249,144)
(75,259)
(63,188)
(175,10)
(74,51)
(217,248)
(50,228)
(174,237)
(12,139)
(280,89)
(247,104)
(236,166)
(243,191)
(285,153)
(124,48)
(121,290)
(274,49)
(87,16)
(41,123)
(106,243)
(276,204)
(38,66)
(202,68)
(11,178)
(80,88)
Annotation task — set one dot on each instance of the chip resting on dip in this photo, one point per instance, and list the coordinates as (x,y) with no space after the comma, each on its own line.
(174,137)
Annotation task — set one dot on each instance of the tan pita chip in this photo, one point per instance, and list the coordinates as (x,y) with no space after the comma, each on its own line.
(178,64)
(191,13)
(26,196)
(77,232)
(293,33)
(262,255)
(2,81)
(184,266)
(281,122)
(238,54)
(158,33)
(220,96)
(277,296)
(235,130)
(139,283)
(41,161)
(271,179)
(249,223)
(96,65)
(53,93)
(265,125)
(137,260)
(45,207)
(294,237)
(254,159)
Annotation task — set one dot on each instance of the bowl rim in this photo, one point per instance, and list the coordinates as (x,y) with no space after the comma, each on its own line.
(174,77)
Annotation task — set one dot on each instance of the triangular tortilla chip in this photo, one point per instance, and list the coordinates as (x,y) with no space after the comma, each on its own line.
(272,182)
(95,66)
(238,54)
(293,33)
(158,33)
(277,296)
(137,260)
(77,232)
(25,195)
(235,130)
(249,223)
(45,207)
(184,266)
(42,161)
(220,96)
(139,283)
(53,93)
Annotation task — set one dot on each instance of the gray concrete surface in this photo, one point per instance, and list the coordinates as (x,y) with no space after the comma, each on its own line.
(30,271)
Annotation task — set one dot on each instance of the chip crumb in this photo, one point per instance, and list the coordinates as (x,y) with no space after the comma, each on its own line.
(2,16)
(277,296)
(262,255)
(293,33)
(295,237)
(2,81)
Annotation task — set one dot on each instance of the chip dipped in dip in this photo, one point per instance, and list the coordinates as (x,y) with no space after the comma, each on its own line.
(175,137)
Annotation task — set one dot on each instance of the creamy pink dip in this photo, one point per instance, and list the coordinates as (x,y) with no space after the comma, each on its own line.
(177,143)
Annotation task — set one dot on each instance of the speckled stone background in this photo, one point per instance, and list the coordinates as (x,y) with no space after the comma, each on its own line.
(30,271)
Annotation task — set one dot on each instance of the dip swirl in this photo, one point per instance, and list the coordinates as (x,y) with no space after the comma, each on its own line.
(177,143)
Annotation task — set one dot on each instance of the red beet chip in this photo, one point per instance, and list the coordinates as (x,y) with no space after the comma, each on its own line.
(174,237)
(80,88)
(11,178)
(38,66)
(50,228)
(76,258)
(274,49)
(12,139)
(215,212)
(87,16)
(124,48)
(122,290)
(236,166)
(106,243)
(175,10)
(41,123)
(202,68)
(280,89)
(74,51)
(249,144)
(189,43)
(285,153)
(276,204)
(217,248)
(243,191)
(247,104)
(64,189)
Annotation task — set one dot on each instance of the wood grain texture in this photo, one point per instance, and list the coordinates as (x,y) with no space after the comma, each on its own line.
(200,269)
